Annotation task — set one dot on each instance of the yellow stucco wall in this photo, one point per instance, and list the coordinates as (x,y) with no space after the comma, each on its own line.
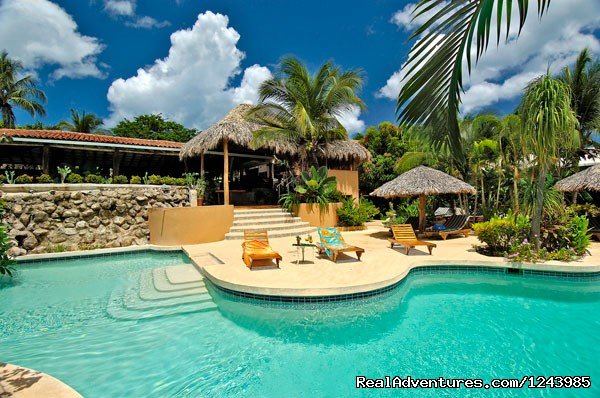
(315,217)
(189,225)
(347,181)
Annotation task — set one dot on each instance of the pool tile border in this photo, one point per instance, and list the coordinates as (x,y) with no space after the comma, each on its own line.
(423,269)
(53,257)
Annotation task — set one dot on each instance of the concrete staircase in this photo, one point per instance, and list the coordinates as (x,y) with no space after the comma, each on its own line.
(278,222)
(160,292)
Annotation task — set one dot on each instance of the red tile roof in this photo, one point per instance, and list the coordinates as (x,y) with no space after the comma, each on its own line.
(85,137)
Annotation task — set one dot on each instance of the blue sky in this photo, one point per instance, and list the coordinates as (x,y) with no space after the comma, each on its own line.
(194,60)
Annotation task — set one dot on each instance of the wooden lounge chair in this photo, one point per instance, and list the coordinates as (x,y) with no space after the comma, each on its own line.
(332,243)
(455,225)
(257,251)
(404,235)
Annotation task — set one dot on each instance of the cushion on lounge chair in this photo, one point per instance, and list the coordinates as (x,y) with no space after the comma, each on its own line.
(331,239)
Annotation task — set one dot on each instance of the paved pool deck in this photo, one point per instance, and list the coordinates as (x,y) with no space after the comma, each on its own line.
(19,382)
(381,266)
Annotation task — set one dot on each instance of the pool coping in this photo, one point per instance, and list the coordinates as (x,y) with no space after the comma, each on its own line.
(34,258)
(37,384)
(335,293)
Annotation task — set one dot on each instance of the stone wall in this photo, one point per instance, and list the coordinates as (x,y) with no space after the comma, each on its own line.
(53,221)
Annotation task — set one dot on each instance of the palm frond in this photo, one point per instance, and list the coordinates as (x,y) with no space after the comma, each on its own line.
(434,68)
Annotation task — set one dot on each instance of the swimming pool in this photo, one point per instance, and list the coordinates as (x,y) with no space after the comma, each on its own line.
(59,318)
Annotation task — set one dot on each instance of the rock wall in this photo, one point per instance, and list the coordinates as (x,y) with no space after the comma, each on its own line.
(62,221)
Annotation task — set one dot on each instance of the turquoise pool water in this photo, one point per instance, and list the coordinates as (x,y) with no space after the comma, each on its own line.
(54,318)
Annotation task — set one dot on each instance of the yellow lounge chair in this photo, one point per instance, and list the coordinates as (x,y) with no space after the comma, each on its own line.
(404,235)
(257,251)
(332,243)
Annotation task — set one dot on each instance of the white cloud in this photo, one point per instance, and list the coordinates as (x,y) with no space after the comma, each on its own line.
(39,32)
(120,7)
(503,72)
(147,23)
(351,122)
(404,18)
(192,84)
(126,9)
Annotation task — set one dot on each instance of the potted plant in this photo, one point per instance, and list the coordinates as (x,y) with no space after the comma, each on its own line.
(201,190)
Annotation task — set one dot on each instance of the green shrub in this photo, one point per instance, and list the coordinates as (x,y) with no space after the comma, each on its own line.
(74,178)
(24,179)
(135,180)
(154,179)
(502,233)
(352,215)
(579,239)
(181,181)
(56,248)
(119,180)
(94,179)
(168,180)
(44,179)
(6,262)
(2,179)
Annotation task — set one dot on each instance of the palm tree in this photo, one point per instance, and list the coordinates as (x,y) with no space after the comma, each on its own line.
(84,123)
(18,92)
(303,109)
(549,124)
(514,153)
(584,82)
(435,64)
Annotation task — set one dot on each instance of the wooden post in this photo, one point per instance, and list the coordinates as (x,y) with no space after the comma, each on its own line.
(46,159)
(202,165)
(225,171)
(421,213)
(116,162)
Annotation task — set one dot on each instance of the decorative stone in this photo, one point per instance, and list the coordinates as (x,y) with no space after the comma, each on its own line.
(16,252)
(118,220)
(58,236)
(95,207)
(70,231)
(17,210)
(81,225)
(24,218)
(94,222)
(87,214)
(71,213)
(30,241)
(76,195)
(40,232)
(40,216)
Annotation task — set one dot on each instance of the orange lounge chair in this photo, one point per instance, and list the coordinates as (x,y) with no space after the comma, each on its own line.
(257,251)
(404,235)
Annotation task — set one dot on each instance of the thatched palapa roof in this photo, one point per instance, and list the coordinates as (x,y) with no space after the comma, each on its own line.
(240,131)
(422,180)
(586,180)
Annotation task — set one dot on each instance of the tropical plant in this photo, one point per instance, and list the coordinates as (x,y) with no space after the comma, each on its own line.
(44,179)
(431,93)
(201,186)
(153,179)
(146,179)
(74,178)
(549,123)
(500,234)
(82,123)
(24,179)
(135,180)
(6,261)
(10,176)
(354,215)
(93,179)
(63,172)
(18,92)
(153,127)
(190,179)
(312,187)
(120,179)
(301,109)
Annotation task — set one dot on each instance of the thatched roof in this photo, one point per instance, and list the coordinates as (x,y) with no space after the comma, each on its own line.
(422,180)
(239,130)
(586,180)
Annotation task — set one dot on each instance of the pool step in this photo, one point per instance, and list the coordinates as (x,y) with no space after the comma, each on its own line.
(161,292)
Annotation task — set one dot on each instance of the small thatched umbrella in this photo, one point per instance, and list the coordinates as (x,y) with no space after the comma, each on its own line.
(586,180)
(422,181)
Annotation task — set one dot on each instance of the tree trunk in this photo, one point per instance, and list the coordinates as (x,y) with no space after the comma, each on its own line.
(536,221)
(516,189)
